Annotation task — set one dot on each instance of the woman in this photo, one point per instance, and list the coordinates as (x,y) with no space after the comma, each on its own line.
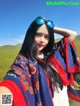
(36,74)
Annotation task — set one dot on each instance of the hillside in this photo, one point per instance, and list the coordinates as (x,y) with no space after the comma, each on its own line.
(8,54)
(77,43)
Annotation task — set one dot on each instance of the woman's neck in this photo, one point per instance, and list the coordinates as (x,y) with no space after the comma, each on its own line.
(40,55)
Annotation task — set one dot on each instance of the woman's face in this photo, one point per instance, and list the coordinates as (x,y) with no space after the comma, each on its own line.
(41,38)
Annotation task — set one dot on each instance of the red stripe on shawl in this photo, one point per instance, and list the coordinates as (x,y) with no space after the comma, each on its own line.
(58,66)
(69,69)
(72,43)
(18,99)
(76,98)
(75,68)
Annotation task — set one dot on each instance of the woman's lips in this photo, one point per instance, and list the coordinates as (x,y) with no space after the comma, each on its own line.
(40,45)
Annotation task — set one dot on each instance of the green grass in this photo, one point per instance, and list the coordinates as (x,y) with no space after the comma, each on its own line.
(8,54)
(77,43)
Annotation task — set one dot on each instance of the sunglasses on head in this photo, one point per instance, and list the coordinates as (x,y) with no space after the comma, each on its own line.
(41,20)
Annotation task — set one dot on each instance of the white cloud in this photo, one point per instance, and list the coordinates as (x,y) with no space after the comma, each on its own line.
(18,40)
(13,41)
(57,36)
(78,32)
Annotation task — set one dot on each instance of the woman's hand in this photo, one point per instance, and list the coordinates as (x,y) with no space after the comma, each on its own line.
(6,93)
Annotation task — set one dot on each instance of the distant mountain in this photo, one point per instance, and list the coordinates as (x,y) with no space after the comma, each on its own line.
(10,46)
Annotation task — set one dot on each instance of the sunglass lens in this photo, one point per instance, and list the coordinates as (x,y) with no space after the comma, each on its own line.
(50,24)
(40,21)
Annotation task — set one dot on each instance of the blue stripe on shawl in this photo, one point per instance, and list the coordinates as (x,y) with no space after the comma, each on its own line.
(60,59)
(74,92)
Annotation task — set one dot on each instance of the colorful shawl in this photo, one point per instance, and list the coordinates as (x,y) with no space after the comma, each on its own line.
(65,61)
(68,67)
(31,77)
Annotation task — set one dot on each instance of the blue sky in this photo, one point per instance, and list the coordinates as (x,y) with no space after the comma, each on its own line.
(16,16)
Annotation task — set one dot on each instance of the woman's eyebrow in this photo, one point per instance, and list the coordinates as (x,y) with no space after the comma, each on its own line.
(41,33)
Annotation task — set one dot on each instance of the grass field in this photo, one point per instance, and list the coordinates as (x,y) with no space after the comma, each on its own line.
(8,54)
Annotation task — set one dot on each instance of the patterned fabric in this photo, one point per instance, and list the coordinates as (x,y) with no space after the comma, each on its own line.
(72,71)
(16,93)
(65,61)
(31,77)
(68,67)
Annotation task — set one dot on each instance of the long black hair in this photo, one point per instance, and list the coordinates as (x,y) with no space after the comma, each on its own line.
(28,50)
(28,47)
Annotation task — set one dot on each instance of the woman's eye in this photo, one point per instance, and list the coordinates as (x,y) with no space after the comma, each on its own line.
(47,37)
(44,35)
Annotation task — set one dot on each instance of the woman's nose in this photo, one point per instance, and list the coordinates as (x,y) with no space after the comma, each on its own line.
(42,38)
